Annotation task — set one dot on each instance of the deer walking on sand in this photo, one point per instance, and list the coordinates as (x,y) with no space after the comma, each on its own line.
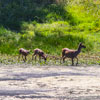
(24,53)
(68,53)
(40,53)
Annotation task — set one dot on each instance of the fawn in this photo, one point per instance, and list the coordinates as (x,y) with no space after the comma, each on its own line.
(40,53)
(67,53)
(24,53)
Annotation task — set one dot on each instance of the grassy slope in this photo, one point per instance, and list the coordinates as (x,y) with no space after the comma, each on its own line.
(52,29)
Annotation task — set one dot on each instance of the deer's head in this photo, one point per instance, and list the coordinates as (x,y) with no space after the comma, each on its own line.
(82,46)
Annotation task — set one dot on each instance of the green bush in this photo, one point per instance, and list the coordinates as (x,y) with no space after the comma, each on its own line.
(49,25)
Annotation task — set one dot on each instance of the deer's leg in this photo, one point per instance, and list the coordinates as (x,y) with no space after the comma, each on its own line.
(72,61)
(64,59)
(39,58)
(33,55)
(22,57)
(25,58)
(77,60)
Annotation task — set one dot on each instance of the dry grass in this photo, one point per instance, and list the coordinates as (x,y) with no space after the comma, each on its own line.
(84,59)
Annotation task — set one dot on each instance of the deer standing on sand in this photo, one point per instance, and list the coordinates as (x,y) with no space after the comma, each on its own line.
(24,53)
(68,53)
(40,53)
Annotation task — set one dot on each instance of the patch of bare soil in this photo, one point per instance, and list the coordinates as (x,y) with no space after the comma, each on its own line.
(26,82)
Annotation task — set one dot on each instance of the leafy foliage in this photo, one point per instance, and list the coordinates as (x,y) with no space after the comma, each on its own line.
(49,25)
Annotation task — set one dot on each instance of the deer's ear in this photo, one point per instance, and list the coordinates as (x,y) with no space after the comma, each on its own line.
(80,43)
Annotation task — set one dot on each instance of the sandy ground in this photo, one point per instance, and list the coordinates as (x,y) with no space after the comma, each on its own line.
(26,82)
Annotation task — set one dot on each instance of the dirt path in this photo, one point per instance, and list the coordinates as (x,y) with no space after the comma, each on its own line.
(26,82)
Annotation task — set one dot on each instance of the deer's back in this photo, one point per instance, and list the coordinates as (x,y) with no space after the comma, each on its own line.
(38,52)
(23,51)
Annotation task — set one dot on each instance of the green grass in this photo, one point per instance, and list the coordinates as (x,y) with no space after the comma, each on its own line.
(49,37)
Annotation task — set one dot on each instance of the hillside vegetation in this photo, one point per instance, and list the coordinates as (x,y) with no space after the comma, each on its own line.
(49,25)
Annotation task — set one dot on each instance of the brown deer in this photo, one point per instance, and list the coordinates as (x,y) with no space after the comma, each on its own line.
(24,53)
(67,53)
(40,53)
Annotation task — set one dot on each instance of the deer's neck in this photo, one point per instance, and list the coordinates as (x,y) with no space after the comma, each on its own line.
(78,50)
